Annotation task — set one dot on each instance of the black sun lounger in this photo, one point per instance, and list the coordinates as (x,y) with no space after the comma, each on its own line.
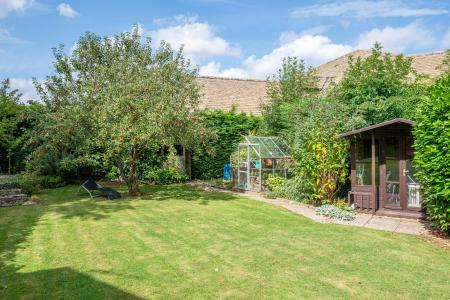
(93,188)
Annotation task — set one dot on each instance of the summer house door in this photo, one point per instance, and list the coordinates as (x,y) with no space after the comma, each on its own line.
(400,185)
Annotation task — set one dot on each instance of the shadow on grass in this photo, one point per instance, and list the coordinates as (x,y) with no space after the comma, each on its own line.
(68,203)
(18,223)
(183,193)
(60,283)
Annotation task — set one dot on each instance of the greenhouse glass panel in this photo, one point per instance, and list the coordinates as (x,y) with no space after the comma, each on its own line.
(256,159)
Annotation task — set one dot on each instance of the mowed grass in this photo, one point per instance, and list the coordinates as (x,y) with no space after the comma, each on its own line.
(181,243)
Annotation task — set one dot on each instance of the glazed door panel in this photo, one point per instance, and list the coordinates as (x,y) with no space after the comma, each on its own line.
(392,186)
(414,199)
(401,188)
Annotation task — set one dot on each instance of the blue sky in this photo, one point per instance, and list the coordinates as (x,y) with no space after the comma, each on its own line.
(231,38)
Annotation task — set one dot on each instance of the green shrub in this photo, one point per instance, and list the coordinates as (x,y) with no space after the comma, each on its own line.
(51,181)
(165,176)
(294,190)
(432,151)
(28,183)
(229,127)
(275,182)
(31,183)
(113,173)
(285,188)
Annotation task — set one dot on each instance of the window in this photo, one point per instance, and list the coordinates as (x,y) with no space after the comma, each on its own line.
(364,162)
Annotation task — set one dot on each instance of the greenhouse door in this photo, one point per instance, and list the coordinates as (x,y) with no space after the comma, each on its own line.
(248,170)
(243,166)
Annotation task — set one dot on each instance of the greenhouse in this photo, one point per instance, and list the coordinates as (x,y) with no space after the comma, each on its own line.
(258,157)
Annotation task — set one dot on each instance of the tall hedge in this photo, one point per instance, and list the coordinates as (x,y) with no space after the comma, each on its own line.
(432,156)
(229,128)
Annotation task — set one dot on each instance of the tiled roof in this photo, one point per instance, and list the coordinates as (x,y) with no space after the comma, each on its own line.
(426,63)
(247,95)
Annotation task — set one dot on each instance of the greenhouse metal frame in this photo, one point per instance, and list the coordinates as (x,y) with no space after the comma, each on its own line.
(256,158)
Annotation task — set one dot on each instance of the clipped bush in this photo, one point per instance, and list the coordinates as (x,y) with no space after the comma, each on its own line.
(334,212)
(432,151)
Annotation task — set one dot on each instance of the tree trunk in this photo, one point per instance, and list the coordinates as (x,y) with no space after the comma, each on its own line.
(122,173)
(133,178)
(9,164)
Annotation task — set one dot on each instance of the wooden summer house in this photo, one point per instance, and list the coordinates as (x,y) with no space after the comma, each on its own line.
(382,174)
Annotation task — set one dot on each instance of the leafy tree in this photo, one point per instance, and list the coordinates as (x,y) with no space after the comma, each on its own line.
(119,95)
(309,123)
(432,151)
(291,83)
(321,166)
(379,88)
(10,110)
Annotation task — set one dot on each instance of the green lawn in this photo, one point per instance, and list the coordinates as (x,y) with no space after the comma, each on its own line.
(178,242)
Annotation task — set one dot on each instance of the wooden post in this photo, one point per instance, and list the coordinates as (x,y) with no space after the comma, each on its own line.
(374,174)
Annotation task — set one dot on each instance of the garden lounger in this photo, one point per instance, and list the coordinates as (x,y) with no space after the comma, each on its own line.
(91,187)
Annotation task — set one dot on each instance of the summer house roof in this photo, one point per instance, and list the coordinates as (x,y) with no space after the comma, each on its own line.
(398,121)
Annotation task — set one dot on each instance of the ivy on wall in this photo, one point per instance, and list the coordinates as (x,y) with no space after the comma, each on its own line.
(229,128)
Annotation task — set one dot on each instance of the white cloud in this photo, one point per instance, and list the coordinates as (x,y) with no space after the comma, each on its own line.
(314,49)
(199,39)
(8,6)
(214,69)
(289,36)
(26,87)
(398,39)
(367,9)
(66,10)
